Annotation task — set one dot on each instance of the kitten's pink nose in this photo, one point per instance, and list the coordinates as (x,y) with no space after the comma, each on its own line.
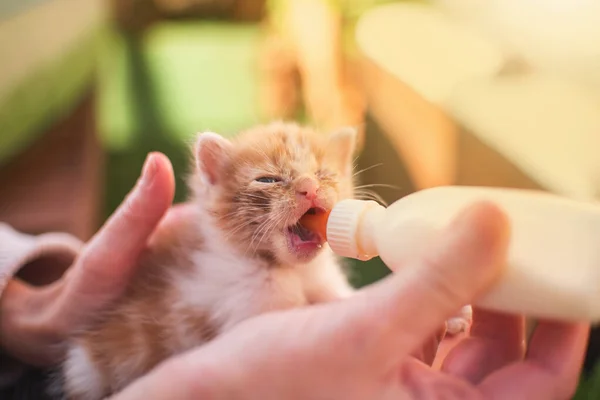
(307,187)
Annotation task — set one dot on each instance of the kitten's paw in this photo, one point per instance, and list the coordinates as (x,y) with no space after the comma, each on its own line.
(456,325)
(461,322)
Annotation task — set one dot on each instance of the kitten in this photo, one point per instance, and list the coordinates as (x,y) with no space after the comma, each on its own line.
(243,254)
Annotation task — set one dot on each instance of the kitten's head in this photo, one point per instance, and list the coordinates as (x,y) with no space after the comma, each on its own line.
(258,185)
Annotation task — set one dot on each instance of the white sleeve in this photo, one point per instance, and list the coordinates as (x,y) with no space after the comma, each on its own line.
(16,251)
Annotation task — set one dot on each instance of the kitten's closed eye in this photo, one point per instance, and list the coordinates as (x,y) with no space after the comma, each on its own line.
(268,179)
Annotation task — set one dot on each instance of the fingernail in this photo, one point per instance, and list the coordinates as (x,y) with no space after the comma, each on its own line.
(149,169)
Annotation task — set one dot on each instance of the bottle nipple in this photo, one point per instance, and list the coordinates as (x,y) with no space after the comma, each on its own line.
(316,223)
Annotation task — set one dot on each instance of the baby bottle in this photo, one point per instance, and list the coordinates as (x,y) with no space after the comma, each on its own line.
(553,264)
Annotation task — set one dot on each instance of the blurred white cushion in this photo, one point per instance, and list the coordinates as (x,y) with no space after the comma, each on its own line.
(425,48)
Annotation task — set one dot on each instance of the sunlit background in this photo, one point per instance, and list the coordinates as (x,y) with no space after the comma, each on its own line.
(467,92)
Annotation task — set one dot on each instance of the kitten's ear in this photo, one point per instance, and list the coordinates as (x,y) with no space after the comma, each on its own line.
(212,152)
(342,145)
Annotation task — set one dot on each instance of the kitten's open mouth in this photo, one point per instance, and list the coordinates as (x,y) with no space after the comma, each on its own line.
(303,240)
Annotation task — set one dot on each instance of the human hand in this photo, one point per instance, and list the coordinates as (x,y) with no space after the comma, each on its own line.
(35,322)
(360,347)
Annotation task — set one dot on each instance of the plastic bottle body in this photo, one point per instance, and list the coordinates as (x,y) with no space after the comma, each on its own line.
(553,265)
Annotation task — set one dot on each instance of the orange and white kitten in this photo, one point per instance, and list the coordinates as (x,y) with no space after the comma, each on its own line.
(243,254)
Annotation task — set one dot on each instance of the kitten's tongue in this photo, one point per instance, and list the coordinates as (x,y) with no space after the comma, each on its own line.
(316,223)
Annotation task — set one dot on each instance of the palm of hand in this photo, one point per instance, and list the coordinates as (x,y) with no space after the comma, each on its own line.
(316,360)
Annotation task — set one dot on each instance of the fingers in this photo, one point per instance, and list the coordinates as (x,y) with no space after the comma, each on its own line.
(427,352)
(560,348)
(397,314)
(110,258)
(419,382)
(551,369)
(496,340)
(445,347)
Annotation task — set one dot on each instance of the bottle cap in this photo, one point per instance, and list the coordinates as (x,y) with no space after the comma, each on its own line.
(343,224)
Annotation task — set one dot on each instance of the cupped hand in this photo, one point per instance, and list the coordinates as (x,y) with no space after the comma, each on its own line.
(35,322)
(363,347)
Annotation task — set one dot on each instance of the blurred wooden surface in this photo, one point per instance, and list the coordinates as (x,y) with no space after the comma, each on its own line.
(422,135)
(434,148)
(481,165)
(56,184)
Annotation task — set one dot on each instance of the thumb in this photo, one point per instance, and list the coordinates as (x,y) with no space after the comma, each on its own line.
(111,257)
(408,307)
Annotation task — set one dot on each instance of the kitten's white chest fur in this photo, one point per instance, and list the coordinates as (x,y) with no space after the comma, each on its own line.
(233,288)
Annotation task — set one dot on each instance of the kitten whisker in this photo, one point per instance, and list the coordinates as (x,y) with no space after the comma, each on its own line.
(267,231)
(378,185)
(263,227)
(245,224)
(261,195)
(369,195)
(241,226)
(251,196)
(366,169)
